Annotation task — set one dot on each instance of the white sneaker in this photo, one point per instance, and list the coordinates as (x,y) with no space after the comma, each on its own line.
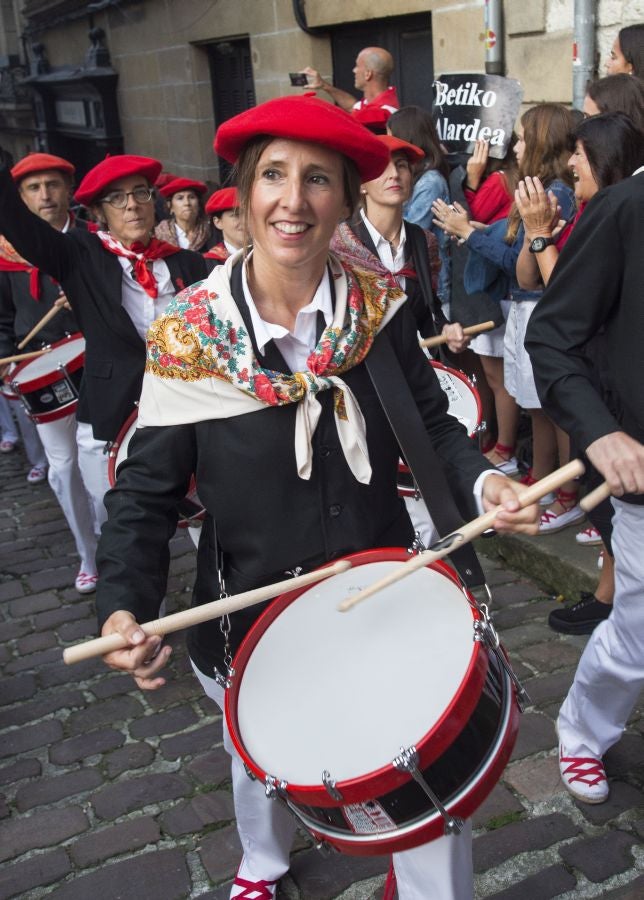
(584,777)
(551,522)
(589,537)
(37,474)
(508,467)
(85,583)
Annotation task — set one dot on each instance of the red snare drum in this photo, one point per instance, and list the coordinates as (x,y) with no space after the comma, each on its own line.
(48,385)
(329,709)
(464,405)
(191,511)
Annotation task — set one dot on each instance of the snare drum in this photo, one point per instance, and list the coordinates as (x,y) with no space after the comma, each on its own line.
(191,510)
(331,709)
(48,385)
(464,404)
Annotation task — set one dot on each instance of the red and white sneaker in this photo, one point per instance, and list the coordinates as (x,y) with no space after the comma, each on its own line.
(85,583)
(584,777)
(589,537)
(247,889)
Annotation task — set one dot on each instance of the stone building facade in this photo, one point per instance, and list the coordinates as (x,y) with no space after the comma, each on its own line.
(154,77)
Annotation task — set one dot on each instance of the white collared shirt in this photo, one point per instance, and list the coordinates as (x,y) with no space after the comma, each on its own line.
(384,249)
(139,306)
(182,237)
(295,346)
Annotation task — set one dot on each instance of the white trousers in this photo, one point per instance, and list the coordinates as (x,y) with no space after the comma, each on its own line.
(8,430)
(439,870)
(421,520)
(34,450)
(93,460)
(59,440)
(610,674)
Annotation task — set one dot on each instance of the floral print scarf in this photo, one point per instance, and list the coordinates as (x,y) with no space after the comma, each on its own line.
(201,363)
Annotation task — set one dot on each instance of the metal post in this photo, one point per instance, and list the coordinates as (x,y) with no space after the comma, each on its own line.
(583,50)
(494,37)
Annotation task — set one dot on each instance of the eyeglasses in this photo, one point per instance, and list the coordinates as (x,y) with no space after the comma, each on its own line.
(119,198)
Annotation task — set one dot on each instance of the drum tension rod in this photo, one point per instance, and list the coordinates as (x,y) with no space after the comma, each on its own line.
(485,632)
(329,783)
(407,761)
(276,790)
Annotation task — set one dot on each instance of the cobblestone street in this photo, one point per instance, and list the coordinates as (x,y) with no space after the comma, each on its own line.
(107,792)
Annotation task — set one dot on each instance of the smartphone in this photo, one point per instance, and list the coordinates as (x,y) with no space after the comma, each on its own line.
(298,79)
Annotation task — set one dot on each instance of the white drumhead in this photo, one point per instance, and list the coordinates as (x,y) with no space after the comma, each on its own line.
(49,362)
(344,691)
(461,398)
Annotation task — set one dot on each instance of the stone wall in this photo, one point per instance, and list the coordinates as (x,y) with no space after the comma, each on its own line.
(165,91)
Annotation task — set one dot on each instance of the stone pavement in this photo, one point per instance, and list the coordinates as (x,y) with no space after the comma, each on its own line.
(108,792)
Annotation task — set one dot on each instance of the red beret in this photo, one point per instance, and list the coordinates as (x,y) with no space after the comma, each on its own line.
(372,117)
(182,184)
(222,200)
(304,118)
(40,162)
(163,179)
(112,168)
(397,145)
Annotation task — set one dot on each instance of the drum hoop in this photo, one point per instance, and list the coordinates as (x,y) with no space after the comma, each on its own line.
(430,746)
(40,381)
(435,364)
(468,799)
(116,444)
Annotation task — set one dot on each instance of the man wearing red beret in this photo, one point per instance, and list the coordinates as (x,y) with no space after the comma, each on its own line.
(117,280)
(372,72)
(223,206)
(26,295)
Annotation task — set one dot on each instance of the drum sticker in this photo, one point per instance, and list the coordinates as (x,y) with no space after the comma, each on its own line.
(63,392)
(46,398)
(367,818)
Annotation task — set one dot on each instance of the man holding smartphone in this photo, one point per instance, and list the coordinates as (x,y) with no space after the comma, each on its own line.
(372,72)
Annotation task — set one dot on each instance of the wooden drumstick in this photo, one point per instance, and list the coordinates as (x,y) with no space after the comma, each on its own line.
(467,533)
(19,356)
(594,498)
(439,339)
(41,324)
(188,617)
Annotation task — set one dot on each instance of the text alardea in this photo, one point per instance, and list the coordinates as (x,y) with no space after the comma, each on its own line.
(459,131)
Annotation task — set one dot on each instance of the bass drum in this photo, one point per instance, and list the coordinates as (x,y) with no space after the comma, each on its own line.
(325,707)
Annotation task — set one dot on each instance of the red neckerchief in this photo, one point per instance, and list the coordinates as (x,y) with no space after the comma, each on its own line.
(140,255)
(219,251)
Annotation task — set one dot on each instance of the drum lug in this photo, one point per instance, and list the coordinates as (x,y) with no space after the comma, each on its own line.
(407,761)
(222,680)
(329,783)
(275,788)
(250,773)
(417,545)
(486,633)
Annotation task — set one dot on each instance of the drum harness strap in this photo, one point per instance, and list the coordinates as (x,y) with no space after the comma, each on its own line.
(420,454)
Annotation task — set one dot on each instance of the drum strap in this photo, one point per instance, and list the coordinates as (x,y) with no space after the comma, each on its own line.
(406,423)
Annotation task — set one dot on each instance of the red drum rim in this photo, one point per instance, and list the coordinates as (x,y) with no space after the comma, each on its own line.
(468,383)
(116,444)
(464,805)
(77,362)
(43,418)
(430,746)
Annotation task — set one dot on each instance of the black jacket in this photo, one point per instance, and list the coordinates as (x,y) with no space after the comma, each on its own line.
(596,285)
(268,520)
(91,277)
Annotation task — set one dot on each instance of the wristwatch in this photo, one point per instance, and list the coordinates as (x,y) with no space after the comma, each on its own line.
(539,244)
